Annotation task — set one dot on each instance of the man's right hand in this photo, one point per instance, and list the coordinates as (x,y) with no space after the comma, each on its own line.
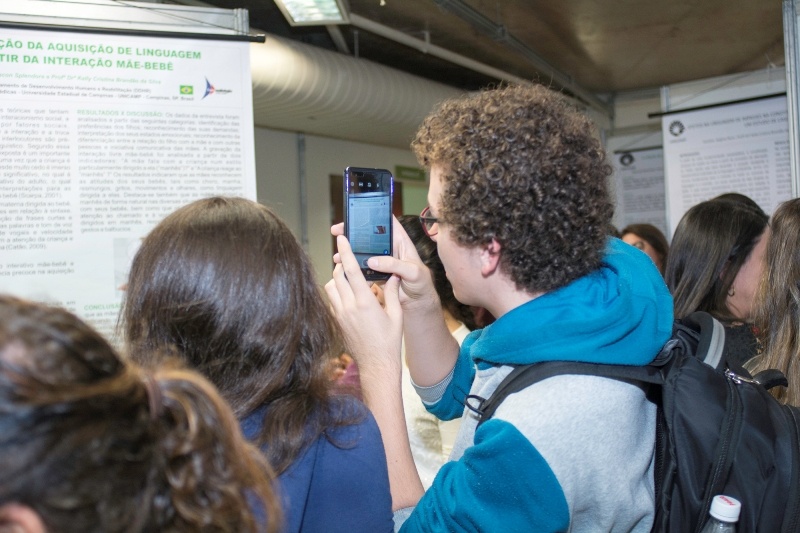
(416,285)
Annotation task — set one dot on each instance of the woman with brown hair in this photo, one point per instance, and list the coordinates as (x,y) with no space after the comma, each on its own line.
(714,264)
(224,283)
(90,444)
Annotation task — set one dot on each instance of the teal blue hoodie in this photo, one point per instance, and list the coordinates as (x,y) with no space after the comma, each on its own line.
(619,314)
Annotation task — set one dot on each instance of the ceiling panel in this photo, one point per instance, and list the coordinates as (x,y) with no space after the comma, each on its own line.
(594,49)
(604,46)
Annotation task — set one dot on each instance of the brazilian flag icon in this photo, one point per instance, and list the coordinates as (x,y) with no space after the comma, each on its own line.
(187,89)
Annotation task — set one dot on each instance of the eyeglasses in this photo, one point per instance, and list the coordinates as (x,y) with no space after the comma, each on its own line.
(429,224)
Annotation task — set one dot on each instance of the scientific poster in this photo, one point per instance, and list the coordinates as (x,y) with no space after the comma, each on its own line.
(102,136)
(734,148)
(639,178)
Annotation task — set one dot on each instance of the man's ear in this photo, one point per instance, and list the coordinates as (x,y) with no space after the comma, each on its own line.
(16,518)
(490,257)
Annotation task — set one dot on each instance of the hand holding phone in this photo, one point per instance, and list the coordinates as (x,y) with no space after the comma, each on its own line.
(368,194)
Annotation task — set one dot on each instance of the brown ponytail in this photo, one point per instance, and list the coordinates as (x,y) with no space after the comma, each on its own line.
(93,444)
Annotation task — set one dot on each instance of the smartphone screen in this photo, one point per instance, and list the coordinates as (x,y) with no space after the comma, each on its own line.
(368,215)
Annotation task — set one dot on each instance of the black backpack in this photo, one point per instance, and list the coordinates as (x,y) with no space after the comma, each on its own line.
(718,430)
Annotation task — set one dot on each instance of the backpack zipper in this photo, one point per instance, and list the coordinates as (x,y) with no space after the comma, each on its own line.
(736,378)
(731,427)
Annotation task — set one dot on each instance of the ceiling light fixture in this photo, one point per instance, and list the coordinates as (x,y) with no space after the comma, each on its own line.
(313,12)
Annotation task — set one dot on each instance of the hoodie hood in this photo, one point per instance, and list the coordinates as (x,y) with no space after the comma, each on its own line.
(618,314)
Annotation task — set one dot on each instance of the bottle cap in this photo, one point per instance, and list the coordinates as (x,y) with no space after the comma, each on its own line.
(725,508)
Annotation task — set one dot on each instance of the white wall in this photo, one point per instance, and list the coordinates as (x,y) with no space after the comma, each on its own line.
(276,174)
(724,89)
(277,178)
(632,128)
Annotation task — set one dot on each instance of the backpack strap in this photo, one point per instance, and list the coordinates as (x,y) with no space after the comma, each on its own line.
(714,350)
(524,376)
(698,334)
(771,377)
(708,336)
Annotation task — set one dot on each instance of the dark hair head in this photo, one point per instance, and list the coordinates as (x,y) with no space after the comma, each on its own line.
(224,281)
(711,243)
(777,307)
(92,444)
(522,166)
(739,198)
(426,248)
(654,238)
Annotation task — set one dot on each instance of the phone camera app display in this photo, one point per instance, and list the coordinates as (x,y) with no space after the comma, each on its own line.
(369,212)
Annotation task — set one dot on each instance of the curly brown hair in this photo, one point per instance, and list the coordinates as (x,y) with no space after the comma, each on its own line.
(520,164)
(92,443)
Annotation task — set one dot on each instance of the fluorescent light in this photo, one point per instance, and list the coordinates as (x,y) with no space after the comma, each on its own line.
(313,12)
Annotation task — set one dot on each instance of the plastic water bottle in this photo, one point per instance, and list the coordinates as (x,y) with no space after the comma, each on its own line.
(724,514)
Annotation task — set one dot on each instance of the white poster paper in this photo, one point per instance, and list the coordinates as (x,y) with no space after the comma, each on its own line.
(103,135)
(735,148)
(639,178)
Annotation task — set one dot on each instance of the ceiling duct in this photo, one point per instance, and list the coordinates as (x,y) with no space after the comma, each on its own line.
(302,88)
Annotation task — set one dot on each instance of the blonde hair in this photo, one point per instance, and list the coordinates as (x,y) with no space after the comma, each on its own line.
(777,306)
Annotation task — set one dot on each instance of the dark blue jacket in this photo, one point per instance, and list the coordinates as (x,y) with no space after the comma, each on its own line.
(339,483)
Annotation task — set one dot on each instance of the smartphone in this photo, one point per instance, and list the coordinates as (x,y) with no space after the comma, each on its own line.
(368,196)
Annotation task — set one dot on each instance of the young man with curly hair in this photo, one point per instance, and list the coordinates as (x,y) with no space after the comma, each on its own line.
(519,208)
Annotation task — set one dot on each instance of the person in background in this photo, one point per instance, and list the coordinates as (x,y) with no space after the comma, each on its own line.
(714,265)
(346,379)
(519,210)
(648,239)
(92,444)
(432,439)
(224,282)
(777,307)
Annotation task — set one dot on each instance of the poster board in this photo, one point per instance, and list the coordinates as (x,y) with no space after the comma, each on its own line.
(741,147)
(639,180)
(103,135)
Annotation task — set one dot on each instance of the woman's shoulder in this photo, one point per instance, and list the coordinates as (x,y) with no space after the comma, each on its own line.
(344,415)
(741,342)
